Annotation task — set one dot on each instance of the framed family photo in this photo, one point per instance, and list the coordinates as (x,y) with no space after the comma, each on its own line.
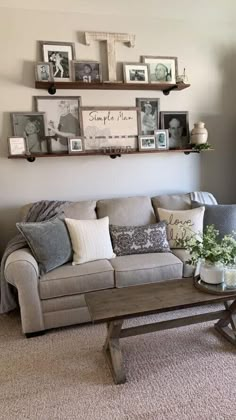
(44,72)
(161,69)
(135,73)
(76,145)
(177,124)
(33,127)
(87,71)
(146,143)
(60,55)
(63,119)
(17,146)
(148,115)
(162,139)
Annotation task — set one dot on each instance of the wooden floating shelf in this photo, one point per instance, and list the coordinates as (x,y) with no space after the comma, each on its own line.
(164,87)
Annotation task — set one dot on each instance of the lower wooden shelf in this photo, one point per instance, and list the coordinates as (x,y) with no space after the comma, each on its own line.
(31,158)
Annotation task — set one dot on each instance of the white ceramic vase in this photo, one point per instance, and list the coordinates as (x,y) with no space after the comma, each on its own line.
(212,273)
(199,133)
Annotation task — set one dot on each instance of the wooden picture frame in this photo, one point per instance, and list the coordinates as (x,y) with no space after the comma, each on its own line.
(44,72)
(146,143)
(87,71)
(16,146)
(177,124)
(60,54)
(148,115)
(33,127)
(76,145)
(162,69)
(135,73)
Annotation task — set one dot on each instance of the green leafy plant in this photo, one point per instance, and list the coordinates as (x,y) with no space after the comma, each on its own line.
(209,247)
(203,146)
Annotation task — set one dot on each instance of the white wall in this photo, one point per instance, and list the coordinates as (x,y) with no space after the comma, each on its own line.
(203,39)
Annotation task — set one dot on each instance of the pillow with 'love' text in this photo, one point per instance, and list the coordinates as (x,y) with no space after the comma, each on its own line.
(182,224)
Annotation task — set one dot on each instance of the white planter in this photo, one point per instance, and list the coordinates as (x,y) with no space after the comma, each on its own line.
(199,133)
(212,273)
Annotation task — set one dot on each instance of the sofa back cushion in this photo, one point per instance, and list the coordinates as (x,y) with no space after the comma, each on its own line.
(81,210)
(171,202)
(130,211)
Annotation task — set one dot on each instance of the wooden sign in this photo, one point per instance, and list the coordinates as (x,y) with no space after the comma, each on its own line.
(110,38)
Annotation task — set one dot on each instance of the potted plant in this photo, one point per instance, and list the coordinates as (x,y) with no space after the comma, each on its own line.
(213,254)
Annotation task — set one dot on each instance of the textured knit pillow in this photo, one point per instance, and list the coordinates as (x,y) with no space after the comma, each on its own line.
(127,240)
(222,216)
(49,242)
(90,239)
(182,223)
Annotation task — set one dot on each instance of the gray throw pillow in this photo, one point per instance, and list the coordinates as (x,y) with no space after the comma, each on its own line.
(49,242)
(222,216)
(127,240)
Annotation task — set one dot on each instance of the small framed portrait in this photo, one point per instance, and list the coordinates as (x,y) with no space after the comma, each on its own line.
(87,71)
(146,143)
(33,127)
(76,145)
(148,115)
(43,72)
(177,124)
(161,69)
(162,139)
(17,146)
(60,55)
(135,73)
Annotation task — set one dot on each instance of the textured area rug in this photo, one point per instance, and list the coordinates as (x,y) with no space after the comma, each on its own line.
(180,374)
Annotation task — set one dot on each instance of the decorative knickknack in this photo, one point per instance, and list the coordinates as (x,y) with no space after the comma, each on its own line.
(199,133)
(212,273)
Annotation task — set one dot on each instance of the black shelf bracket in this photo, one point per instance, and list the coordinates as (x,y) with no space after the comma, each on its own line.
(52,89)
(114,156)
(31,159)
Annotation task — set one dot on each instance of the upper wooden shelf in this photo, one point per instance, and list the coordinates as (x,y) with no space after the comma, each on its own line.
(166,88)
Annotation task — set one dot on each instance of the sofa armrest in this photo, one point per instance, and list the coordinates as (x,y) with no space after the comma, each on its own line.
(22,271)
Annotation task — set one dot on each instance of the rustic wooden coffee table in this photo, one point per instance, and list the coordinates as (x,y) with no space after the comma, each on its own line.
(115,305)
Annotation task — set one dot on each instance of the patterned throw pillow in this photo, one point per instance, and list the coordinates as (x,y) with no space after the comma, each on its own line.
(127,240)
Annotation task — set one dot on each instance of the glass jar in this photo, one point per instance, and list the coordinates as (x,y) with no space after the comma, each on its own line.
(230,276)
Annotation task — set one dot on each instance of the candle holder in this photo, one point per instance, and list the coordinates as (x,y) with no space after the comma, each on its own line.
(230,276)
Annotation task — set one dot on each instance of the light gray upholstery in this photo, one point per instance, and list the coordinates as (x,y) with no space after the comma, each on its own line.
(130,211)
(81,210)
(183,255)
(171,202)
(146,268)
(73,279)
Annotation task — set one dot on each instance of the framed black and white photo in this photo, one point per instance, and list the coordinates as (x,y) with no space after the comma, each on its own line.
(33,127)
(148,115)
(56,146)
(43,72)
(177,124)
(135,73)
(146,143)
(60,54)
(17,146)
(76,145)
(161,69)
(162,139)
(62,118)
(87,71)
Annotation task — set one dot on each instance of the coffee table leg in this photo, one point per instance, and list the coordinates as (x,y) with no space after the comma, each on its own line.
(113,351)
(222,326)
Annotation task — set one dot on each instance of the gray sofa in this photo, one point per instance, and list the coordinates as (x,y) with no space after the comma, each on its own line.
(58,298)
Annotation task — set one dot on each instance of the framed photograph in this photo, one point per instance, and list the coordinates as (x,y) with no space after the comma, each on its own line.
(148,115)
(162,139)
(161,69)
(55,145)
(87,71)
(147,143)
(104,127)
(177,124)
(33,127)
(135,73)
(60,54)
(43,72)
(63,119)
(76,145)
(17,146)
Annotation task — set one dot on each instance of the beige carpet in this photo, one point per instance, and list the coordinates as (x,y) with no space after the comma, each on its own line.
(181,374)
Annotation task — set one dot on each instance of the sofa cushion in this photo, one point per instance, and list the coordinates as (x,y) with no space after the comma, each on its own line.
(183,255)
(130,211)
(90,240)
(127,240)
(182,224)
(81,210)
(70,280)
(171,202)
(132,270)
(49,242)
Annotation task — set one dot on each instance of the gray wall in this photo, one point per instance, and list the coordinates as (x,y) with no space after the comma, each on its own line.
(204,43)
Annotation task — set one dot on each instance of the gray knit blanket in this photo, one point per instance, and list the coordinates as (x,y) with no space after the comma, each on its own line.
(38,212)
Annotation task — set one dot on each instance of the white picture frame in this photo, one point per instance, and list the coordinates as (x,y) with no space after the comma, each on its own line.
(17,146)
(146,143)
(162,139)
(60,54)
(135,73)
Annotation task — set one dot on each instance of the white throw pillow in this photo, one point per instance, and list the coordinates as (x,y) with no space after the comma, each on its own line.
(90,240)
(190,220)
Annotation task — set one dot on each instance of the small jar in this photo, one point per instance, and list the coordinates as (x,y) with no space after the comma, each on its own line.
(230,276)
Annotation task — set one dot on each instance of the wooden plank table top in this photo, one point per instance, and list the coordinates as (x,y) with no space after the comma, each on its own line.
(168,295)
